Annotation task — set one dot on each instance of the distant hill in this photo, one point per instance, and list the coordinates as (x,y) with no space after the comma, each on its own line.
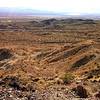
(5,11)
(13,12)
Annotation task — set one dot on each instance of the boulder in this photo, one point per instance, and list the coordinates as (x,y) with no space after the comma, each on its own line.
(81,91)
(5,54)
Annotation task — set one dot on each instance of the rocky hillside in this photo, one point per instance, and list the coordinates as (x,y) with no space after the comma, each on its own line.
(50,60)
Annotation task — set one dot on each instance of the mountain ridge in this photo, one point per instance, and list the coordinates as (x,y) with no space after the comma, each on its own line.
(9,11)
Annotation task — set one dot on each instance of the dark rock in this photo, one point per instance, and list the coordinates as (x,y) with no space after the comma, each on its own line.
(16,83)
(5,54)
(90,76)
(97,95)
(36,80)
(83,61)
(81,91)
(12,82)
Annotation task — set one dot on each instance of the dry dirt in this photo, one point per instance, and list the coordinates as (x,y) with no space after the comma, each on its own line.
(36,55)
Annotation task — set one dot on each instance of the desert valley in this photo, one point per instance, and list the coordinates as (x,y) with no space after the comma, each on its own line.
(49,59)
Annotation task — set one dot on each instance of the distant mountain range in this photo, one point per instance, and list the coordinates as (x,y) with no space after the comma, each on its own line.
(12,12)
(5,11)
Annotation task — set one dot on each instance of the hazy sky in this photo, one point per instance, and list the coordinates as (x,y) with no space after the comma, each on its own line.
(76,7)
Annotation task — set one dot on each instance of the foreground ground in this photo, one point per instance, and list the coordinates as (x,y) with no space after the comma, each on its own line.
(50,59)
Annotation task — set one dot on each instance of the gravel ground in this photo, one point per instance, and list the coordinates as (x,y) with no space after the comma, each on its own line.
(51,93)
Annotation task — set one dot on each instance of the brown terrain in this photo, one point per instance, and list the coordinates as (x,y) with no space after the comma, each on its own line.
(50,59)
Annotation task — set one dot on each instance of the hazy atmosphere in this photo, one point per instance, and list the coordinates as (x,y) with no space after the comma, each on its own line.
(72,7)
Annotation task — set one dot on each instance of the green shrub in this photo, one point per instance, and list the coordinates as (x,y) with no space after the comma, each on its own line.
(68,77)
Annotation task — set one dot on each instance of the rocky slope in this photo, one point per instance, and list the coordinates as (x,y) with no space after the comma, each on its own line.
(41,62)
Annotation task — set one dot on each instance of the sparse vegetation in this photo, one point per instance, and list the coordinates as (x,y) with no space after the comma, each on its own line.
(68,78)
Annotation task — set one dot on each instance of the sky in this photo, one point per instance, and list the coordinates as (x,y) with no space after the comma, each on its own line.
(74,7)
